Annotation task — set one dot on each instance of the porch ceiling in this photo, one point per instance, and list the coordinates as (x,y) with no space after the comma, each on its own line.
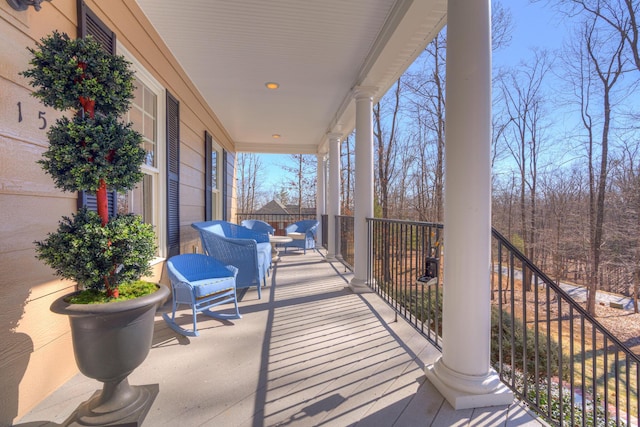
(317,51)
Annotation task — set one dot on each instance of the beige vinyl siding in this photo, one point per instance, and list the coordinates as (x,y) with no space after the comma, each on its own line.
(36,354)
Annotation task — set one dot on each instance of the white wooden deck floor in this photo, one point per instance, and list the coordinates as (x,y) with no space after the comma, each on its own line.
(309,353)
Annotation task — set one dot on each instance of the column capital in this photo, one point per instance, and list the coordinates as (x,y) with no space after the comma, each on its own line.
(360,92)
(334,136)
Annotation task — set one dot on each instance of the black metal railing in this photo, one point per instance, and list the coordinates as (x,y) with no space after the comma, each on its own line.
(552,353)
(345,235)
(545,346)
(554,356)
(405,271)
(277,221)
(343,232)
(324,227)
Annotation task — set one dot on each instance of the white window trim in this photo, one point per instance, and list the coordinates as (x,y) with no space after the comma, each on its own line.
(218,191)
(160,195)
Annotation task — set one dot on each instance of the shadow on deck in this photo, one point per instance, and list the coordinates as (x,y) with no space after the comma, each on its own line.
(309,353)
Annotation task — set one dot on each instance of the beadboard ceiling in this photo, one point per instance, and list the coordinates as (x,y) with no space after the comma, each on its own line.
(317,50)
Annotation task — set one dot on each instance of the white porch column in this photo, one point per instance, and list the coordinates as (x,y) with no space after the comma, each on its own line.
(320,192)
(463,374)
(363,191)
(333,194)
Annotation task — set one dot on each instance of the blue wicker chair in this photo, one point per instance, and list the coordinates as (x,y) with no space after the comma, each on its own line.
(259,226)
(232,244)
(303,234)
(202,283)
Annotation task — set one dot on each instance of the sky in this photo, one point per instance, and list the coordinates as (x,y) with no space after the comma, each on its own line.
(534,25)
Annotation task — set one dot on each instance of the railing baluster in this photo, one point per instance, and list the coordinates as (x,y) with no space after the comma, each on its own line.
(628,394)
(617,383)
(500,319)
(536,319)
(572,385)
(548,344)
(560,364)
(594,375)
(637,393)
(583,389)
(606,380)
(512,268)
(525,347)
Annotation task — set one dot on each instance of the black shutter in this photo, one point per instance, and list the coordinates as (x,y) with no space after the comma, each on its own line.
(89,23)
(228,177)
(173,176)
(208,171)
(88,200)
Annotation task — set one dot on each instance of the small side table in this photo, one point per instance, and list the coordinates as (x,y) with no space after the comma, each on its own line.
(274,240)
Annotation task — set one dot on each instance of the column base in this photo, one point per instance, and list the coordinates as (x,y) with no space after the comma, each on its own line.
(359,286)
(465,391)
(330,257)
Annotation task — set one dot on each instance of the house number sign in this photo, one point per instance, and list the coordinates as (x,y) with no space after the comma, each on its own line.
(41,118)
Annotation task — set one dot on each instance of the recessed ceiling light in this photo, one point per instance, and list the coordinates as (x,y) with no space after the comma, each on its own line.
(272,85)
(275,136)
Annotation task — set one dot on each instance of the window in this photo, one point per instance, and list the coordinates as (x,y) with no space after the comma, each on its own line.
(147,115)
(213,179)
(215,183)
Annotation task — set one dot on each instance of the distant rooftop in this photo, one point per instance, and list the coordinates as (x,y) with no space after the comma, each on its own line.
(276,207)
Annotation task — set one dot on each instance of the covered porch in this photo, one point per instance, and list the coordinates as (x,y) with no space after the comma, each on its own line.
(331,65)
(310,352)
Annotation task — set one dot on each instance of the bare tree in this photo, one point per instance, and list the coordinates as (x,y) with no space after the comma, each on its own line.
(563,207)
(501,26)
(427,88)
(249,184)
(346,173)
(620,15)
(522,92)
(283,195)
(607,65)
(385,124)
(595,64)
(625,218)
(403,182)
(302,180)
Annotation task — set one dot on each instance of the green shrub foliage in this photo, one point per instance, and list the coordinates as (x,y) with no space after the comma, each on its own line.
(91,146)
(83,150)
(64,69)
(83,250)
(513,330)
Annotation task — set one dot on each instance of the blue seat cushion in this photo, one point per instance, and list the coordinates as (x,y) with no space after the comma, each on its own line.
(202,288)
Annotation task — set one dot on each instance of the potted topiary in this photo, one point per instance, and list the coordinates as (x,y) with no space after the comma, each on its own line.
(112,312)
